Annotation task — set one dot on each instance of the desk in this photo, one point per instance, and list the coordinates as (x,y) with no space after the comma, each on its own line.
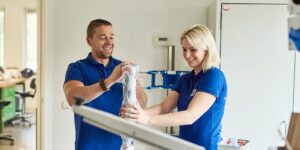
(11,82)
(7,92)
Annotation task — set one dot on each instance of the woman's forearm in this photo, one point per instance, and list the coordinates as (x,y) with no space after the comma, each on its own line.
(172,119)
(154,110)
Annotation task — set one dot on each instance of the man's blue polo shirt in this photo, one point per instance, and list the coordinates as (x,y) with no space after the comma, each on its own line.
(89,72)
(206,130)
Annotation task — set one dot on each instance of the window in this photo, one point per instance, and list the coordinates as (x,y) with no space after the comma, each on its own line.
(1,37)
(30,39)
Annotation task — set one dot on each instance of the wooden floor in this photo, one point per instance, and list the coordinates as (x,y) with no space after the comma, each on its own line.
(24,136)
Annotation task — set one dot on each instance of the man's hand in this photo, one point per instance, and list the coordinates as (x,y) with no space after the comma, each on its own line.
(116,75)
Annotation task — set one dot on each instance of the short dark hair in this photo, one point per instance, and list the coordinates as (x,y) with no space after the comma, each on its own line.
(94,24)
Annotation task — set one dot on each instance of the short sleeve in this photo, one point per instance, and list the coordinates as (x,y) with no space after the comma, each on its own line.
(212,82)
(74,72)
(177,87)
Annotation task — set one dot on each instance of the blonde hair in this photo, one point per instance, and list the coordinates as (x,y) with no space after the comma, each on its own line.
(200,37)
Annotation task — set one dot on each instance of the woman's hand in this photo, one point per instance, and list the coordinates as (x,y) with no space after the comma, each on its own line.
(136,114)
(123,111)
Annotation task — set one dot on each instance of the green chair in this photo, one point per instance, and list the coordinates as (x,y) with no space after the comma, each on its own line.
(4,103)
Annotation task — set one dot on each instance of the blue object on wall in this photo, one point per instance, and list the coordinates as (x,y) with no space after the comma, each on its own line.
(294,35)
(169,78)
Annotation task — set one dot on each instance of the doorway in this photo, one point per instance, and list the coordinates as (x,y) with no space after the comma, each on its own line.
(21,28)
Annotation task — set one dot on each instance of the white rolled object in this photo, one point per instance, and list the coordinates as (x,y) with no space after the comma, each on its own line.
(129,97)
(129,84)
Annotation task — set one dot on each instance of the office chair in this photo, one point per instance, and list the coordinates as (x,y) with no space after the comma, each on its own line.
(24,95)
(2,136)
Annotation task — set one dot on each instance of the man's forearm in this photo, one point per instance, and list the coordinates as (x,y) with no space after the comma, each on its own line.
(142,98)
(88,93)
(141,95)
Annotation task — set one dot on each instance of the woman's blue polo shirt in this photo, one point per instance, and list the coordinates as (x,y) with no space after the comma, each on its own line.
(206,130)
(89,72)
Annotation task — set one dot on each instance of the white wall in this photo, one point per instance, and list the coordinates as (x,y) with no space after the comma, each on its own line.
(135,23)
(297,85)
(47,59)
(14,30)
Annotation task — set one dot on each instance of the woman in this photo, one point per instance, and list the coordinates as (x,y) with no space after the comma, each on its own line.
(199,95)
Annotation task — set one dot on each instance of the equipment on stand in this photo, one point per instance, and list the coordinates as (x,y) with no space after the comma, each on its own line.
(169,78)
(294,25)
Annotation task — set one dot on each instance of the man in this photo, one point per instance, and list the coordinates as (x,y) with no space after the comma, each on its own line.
(95,79)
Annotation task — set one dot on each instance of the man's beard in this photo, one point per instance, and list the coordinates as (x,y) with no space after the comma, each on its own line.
(101,55)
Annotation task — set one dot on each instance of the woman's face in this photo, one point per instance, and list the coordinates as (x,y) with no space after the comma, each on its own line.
(194,57)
